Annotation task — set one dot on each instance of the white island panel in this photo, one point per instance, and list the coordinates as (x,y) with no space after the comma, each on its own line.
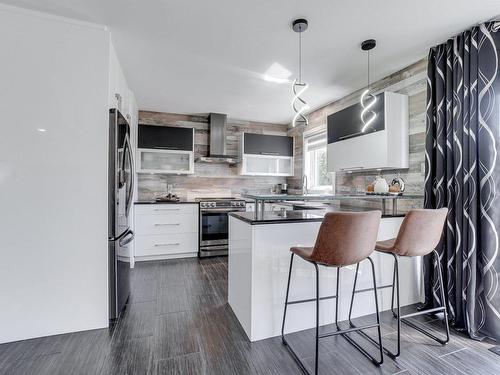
(259,260)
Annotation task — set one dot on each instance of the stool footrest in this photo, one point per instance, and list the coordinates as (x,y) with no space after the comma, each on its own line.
(309,300)
(437,309)
(424,331)
(343,331)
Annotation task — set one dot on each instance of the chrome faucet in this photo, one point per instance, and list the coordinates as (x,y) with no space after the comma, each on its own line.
(304,185)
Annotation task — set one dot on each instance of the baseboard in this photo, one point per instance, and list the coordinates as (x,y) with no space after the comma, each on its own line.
(165,257)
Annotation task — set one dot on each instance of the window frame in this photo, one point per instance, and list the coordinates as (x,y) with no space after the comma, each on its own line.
(307,168)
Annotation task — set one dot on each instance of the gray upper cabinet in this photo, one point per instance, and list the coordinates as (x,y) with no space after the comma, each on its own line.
(266,155)
(165,149)
(262,144)
(165,137)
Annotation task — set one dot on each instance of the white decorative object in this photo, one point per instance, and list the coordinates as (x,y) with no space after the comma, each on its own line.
(380,185)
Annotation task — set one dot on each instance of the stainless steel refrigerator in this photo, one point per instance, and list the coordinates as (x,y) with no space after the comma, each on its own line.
(120,194)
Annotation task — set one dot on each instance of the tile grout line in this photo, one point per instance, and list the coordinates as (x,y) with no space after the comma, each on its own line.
(399,372)
(453,352)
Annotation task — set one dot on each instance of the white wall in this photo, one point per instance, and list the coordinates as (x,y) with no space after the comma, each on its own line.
(53,185)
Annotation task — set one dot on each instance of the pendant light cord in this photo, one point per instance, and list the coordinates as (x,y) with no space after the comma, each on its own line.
(368,68)
(300,55)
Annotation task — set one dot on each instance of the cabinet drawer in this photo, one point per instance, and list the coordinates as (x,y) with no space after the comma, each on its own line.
(166,244)
(166,209)
(165,224)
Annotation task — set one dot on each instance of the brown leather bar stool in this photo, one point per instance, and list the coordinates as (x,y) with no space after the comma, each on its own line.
(344,238)
(419,235)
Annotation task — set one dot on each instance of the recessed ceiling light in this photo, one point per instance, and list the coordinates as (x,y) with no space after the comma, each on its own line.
(277,73)
(41,130)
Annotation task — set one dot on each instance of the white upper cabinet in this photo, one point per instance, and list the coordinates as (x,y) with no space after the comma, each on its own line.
(119,92)
(266,155)
(383,145)
(165,149)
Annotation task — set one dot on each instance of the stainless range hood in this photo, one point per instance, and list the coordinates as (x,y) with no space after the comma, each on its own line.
(217,145)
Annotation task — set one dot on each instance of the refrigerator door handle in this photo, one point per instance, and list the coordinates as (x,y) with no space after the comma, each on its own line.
(114,239)
(128,148)
(127,238)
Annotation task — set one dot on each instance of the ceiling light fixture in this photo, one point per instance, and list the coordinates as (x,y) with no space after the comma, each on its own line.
(367,99)
(299,105)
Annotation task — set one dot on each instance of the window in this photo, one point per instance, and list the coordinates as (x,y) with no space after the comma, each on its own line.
(315,162)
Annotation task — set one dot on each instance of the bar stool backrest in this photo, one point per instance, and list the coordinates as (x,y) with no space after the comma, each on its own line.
(346,238)
(420,232)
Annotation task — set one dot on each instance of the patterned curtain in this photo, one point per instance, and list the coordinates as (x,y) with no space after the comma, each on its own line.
(463,174)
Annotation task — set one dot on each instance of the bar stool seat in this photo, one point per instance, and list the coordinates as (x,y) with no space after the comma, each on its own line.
(386,246)
(344,238)
(303,252)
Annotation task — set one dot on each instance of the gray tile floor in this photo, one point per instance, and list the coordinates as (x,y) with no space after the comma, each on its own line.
(178,322)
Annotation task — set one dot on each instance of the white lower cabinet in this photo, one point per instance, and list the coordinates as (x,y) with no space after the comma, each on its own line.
(166,231)
(166,244)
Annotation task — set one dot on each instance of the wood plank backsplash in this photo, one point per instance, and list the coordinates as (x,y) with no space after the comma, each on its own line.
(208,179)
(410,81)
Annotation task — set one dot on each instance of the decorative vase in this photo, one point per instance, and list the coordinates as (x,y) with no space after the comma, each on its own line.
(380,185)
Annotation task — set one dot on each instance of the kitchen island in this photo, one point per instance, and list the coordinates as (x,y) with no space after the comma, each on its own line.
(259,260)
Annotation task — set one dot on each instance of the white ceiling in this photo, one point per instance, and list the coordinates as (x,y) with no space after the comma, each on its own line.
(198,56)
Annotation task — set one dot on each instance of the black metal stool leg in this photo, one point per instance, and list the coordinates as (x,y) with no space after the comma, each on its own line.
(393,287)
(442,308)
(443,301)
(286,300)
(337,299)
(378,313)
(404,318)
(359,329)
(283,340)
(339,331)
(353,292)
(397,315)
(316,361)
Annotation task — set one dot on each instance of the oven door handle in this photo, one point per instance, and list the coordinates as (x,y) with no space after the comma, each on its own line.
(220,211)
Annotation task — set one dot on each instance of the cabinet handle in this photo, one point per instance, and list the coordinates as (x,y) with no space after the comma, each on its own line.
(167,244)
(166,148)
(167,209)
(352,135)
(270,153)
(164,224)
(351,168)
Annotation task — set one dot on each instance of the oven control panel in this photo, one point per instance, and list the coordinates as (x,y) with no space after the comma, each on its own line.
(208,204)
(223,204)
(238,204)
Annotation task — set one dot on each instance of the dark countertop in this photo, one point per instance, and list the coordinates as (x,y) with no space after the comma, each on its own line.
(327,197)
(182,201)
(269,217)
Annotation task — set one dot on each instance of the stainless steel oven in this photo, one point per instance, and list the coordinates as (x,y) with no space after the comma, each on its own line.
(214,224)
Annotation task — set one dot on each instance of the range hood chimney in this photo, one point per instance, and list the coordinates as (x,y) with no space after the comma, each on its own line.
(217,151)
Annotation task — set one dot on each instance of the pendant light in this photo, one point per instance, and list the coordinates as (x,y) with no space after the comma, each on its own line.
(368,100)
(299,105)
